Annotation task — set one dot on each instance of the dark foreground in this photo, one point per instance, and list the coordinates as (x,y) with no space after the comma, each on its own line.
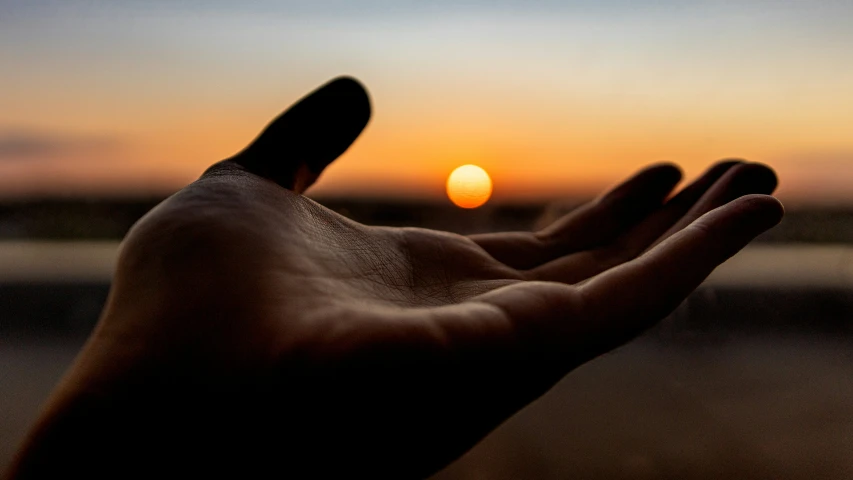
(752,378)
(748,407)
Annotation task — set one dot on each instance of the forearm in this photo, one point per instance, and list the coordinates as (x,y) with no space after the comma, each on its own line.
(67,439)
(86,436)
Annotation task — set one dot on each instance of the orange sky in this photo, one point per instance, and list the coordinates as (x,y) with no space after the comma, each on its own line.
(552,100)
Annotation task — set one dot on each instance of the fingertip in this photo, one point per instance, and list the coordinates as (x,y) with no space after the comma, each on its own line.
(341,104)
(298,144)
(656,177)
(780,206)
(731,180)
(766,210)
(349,82)
(760,177)
(669,170)
(672,171)
(647,187)
(349,89)
(742,219)
(664,165)
(769,173)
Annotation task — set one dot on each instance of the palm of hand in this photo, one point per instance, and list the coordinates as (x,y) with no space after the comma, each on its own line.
(376,318)
(377,350)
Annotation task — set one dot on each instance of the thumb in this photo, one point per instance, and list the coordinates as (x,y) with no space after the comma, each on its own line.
(295,147)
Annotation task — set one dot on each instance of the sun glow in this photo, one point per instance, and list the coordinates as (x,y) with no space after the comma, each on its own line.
(469,186)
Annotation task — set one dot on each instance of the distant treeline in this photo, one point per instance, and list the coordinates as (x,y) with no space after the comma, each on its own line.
(110,219)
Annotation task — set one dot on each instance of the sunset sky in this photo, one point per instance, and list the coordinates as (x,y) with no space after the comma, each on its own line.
(552,98)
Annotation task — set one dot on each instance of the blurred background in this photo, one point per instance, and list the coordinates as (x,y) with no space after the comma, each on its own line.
(106,108)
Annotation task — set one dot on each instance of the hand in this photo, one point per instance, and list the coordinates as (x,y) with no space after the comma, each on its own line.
(250,329)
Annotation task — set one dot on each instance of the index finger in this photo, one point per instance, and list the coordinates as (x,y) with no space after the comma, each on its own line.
(634,295)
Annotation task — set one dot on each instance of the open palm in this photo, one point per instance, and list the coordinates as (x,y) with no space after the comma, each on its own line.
(250,328)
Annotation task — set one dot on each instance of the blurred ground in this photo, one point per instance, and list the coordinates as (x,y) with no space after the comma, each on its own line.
(753,408)
(750,408)
(751,378)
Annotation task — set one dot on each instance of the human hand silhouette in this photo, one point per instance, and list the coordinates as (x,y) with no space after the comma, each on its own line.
(251,330)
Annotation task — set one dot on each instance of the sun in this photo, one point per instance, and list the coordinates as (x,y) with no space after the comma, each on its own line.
(469,186)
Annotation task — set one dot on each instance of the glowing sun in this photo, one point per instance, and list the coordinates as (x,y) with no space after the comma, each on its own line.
(469,186)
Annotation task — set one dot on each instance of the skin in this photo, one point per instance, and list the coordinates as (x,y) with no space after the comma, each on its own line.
(251,331)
